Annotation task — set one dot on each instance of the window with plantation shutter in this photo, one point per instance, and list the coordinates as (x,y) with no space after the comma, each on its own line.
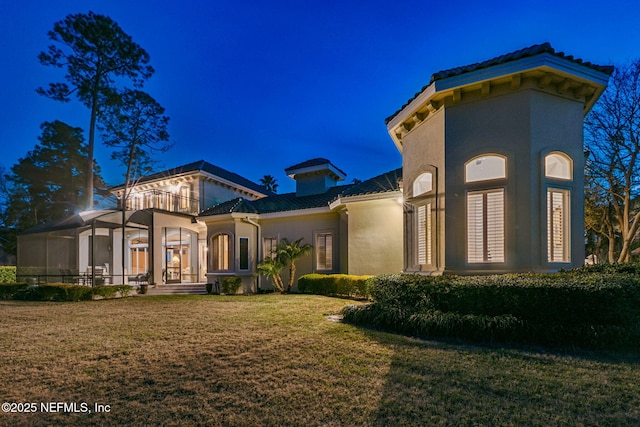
(269,247)
(220,256)
(485,226)
(324,251)
(424,235)
(558,225)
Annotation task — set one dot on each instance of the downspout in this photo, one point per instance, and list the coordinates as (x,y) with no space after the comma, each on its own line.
(258,245)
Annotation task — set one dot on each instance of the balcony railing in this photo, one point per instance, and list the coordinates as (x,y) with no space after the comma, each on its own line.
(163,200)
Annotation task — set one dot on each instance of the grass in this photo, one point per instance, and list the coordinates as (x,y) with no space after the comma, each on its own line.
(276,360)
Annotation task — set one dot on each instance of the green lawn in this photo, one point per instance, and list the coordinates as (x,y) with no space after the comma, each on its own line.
(276,360)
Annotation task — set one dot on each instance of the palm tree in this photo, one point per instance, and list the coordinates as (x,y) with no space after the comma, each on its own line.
(290,252)
(272,267)
(269,182)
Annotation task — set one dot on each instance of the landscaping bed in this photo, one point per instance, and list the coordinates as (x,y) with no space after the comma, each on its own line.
(61,292)
(590,308)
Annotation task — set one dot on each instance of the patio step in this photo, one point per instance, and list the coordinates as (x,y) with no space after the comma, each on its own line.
(178,289)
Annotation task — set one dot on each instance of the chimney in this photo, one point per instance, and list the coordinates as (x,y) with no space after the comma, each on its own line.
(315,176)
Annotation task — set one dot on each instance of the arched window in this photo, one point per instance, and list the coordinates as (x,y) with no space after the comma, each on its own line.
(220,254)
(423,184)
(485,167)
(558,165)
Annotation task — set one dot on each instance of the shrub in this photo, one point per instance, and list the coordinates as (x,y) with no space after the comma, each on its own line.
(124,290)
(110,291)
(55,292)
(570,308)
(230,284)
(8,290)
(61,292)
(7,274)
(335,284)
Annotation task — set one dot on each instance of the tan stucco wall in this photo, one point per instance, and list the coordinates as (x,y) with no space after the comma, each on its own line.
(523,126)
(303,226)
(375,237)
(424,151)
(212,194)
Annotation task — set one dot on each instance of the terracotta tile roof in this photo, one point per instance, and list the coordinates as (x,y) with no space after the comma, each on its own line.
(387,182)
(202,165)
(514,56)
(278,203)
(502,59)
(237,205)
(290,202)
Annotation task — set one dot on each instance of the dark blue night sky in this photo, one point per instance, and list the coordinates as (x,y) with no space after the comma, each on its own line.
(257,86)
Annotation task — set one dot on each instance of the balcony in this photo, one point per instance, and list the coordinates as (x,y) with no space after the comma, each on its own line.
(163,200)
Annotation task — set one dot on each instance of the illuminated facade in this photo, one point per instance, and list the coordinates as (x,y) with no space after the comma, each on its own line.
(493,164)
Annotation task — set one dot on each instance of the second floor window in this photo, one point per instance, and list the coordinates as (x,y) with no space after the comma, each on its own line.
(185,193)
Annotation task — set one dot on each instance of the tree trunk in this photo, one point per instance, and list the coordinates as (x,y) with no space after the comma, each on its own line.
(292,274)
(612,250)
(92,139)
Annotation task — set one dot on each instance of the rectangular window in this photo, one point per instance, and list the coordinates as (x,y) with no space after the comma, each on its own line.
(485,226)
(324,251)
(221,252)
(184,197)
(558,225)
(269,247)
(139,260)
(424,234)
(244,253)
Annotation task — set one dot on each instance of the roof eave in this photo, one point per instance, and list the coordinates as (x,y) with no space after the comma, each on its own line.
(543,61)
(342,201)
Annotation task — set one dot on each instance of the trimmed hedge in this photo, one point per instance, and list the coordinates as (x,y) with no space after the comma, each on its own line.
(7,274)
(335,285)
(8,290)
(577,308)
(60,292)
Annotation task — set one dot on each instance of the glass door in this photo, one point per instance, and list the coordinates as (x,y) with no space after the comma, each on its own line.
(173,264)
(178,259)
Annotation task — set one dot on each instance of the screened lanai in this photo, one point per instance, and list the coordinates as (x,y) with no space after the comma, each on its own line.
(87,248)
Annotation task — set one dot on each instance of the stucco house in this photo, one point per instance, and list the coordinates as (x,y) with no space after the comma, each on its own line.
(493,164)
(197,223)
(161,233)
(354,228)
(491,182)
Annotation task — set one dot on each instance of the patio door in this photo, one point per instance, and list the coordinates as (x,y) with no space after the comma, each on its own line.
(178,259)
(174,263)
